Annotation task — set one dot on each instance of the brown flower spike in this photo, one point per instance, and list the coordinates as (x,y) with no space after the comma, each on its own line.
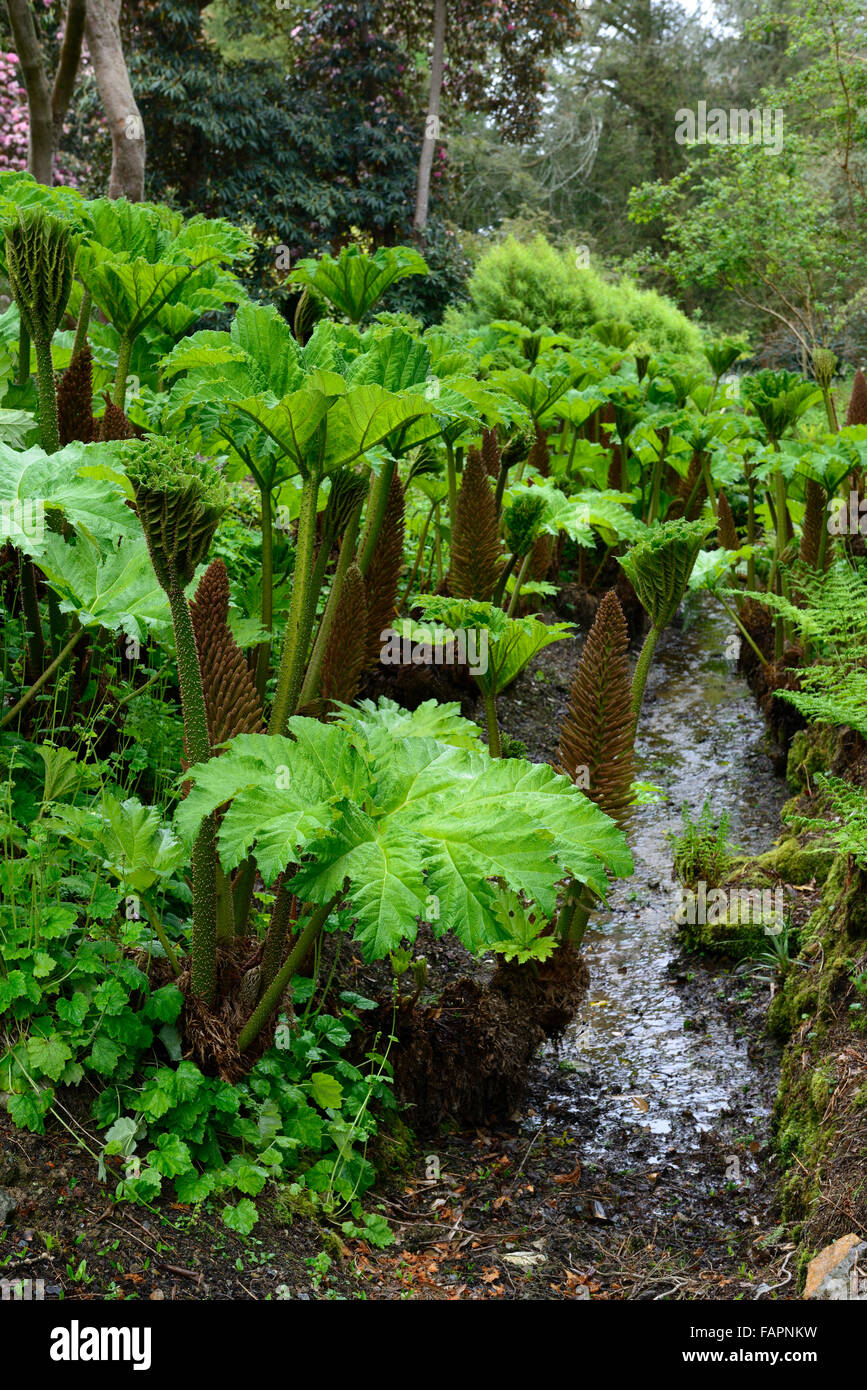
(476,555)
(384,571)
(346,649)
(231,703)
(596,737)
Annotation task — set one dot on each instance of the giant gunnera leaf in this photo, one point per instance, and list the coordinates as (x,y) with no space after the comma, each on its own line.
(399,820)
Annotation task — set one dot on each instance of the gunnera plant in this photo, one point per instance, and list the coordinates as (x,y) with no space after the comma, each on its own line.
(179,501)
(539,456)
(476,552)
(490,453)
(726,529)
(382,577)
(114,423)
(75,400)
(346,649)
(816,543)
(659,567)
(691,492)
(857,411)
(824,366)
(232,704)
(597,739)
(341,518)
(521,523)
(39,262)
(597,733)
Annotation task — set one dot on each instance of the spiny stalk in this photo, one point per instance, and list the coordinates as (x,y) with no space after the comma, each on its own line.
(179,503)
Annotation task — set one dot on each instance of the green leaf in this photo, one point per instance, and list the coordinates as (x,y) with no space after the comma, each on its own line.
(326,1090)
(382,723)
(205,349)
(118,591)
(295,422)
(193,1186)
(400,819)
(384,865)
(164,1004)
(171,1157)
(355,281)
(241,1218)
(266,338)
(248,1177)
(79,482)
(522,938)
(73,1010)
(375,1230)
(138,849)
(48,1056)
(523,639)
(131,294)
(29,1109)
(395,361)
(105,1055)
(284,791)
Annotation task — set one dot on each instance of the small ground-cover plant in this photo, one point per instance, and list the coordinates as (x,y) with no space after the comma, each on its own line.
(702,851)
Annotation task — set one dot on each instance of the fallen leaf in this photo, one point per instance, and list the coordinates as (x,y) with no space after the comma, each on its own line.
(523,1259)
(574,1176)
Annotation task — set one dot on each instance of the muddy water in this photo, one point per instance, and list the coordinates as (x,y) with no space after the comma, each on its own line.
(662,1064)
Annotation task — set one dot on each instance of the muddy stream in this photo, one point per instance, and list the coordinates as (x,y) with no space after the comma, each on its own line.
(701,735)
(665,1081)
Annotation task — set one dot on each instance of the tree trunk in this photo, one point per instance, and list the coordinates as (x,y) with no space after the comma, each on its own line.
(432,123)
(46,107)
(40,153)
(122,113)
(67,66)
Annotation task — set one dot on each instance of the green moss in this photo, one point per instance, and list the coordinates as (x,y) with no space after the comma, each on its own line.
(808,1011)
(737,940)
(782,1018)
(293,1200)
(820,1088)
(811,751)
(393,1149)
(791,861)
(805,1256)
